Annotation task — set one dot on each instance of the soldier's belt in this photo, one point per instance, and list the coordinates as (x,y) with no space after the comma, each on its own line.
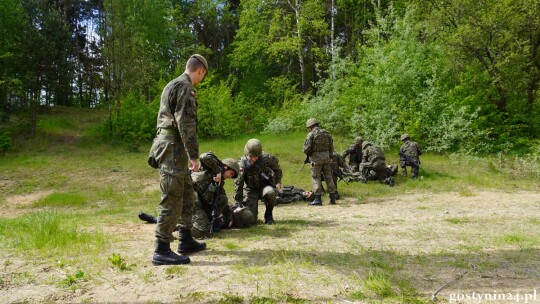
(163,131)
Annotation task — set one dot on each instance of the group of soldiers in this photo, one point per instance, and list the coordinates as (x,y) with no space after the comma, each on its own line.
(193,199)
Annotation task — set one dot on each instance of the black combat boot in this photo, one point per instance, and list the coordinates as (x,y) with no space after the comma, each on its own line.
(187,243)
(316,202)
(163,255)
(268,218)
(390,181)
(147,218)
(332,198)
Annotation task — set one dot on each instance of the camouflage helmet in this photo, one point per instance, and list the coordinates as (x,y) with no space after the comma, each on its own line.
(201,59)
(253,147)
(404,136)
(242,217)
(358,139)
(311,122)
(232,164)
(365,144)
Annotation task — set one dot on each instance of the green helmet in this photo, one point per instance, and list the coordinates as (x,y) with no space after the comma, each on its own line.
(358,139)
(232,163)
(253,147)
(404,136)
(365,144)
(311,122)
(242,217)
(201,59)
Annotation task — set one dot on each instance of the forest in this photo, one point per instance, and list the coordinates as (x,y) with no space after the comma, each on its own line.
(456,75)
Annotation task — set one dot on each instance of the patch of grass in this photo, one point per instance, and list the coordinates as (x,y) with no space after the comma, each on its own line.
(73,279)
(176,270)
(231,299)
(196,296)
(512,239)
(379,284)
(59,199)
(231,245)
(49,231)
(456,220)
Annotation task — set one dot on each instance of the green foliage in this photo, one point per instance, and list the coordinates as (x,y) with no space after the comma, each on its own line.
(136,121)
(73,279)
(5,142)
(119,262)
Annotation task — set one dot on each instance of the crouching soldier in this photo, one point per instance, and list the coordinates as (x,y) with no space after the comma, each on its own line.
(259,179)
(409,155)
(211,212)
(354,152)
(373,160)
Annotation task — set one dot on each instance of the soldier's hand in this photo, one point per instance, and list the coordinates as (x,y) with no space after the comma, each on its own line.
(194,165)
(217,178)
(278,186)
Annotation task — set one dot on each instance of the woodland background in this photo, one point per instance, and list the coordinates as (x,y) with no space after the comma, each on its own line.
(457,75)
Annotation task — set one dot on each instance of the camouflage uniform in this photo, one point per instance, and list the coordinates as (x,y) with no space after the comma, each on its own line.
(319,147)
(412,151)
(176,140)
(251,184)
(338,163)
(354,152)
(205,188)
(289,194)
(373,160)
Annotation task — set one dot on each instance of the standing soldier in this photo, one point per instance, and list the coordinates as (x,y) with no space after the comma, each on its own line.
(319,147)
(211,211)
(354,152)
(175,145)
(409,155)
(373,160)
(259,178)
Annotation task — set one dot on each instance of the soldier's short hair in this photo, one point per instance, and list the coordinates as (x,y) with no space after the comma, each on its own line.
(195,62)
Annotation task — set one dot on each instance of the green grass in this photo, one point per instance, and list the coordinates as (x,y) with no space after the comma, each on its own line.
(48,232)
(88,193)
(69,199)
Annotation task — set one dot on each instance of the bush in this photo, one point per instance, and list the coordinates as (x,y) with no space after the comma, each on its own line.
(5,142)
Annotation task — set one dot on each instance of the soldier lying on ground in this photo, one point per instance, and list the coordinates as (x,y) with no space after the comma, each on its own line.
(289,194)
(391,170)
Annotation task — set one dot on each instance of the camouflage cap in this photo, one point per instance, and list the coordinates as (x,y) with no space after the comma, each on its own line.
(404,136)
(242,217)
(365,144)
(253,147)
(311,122)
(201,60)
(232,164)
(358,139)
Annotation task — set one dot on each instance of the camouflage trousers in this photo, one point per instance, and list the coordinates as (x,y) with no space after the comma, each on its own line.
(316,171)
(202,216)
(251,199)
(176,205)
(378,167)
(414,170)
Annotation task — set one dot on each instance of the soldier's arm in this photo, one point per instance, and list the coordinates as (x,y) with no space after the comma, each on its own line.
(186,120)
(239,187)
(331,149)
(308,143)
(419,150)
(273,163)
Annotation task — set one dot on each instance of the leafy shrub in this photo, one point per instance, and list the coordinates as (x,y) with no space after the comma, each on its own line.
(5,142)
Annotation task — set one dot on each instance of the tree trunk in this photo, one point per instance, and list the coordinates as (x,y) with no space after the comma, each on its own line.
(296,8)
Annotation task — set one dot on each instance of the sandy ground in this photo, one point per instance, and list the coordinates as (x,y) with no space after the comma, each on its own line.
(432,241)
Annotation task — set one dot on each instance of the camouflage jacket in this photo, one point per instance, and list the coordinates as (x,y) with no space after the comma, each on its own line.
(178,112)
(373,155)
(319,146)
(203,181)
(354,152)
(411,149)
(252,176)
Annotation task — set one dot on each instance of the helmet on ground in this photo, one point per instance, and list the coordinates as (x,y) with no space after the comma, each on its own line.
(358,139)
(253,147)
(311,122)
(232,164)
(365,144)
(242,217)
(404,136)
